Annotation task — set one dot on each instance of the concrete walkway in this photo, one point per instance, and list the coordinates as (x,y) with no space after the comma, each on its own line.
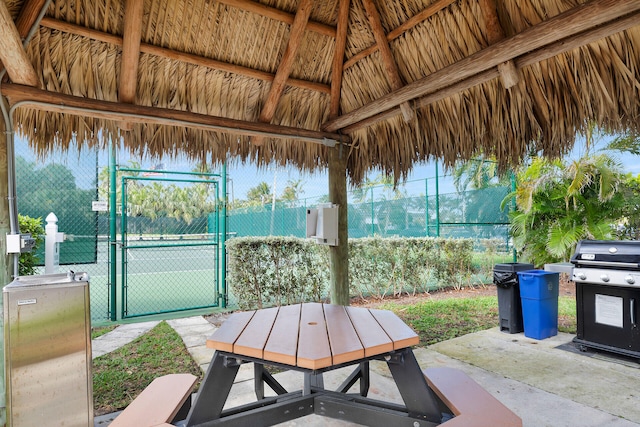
(546,382)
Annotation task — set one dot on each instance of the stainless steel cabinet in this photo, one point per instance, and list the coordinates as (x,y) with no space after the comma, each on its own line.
(48,351)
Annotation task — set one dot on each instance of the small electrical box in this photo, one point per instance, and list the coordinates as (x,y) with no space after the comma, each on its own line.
(322,224)
(19,243)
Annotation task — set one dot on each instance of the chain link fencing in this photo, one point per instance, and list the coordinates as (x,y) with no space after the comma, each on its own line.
(66,184)
(413,209)
(168,249)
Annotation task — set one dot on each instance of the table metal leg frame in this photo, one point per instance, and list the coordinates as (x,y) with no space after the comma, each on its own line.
(212,395)
(422,407)
(420,400)
(262,376)
(360,373)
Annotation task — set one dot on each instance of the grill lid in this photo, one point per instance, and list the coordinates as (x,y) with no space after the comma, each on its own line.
(607,253)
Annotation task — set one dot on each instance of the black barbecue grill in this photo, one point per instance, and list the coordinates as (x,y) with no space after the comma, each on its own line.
(607,277)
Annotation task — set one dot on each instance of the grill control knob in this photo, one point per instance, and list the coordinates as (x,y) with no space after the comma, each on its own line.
(630,279)
(581,276)
(604,278)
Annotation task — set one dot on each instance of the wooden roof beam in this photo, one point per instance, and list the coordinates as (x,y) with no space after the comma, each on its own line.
(28,97)
(133,12)
(425,14)
(542,54)
(180,56)
(279,15)
(296,34)
(579,19)
(26,18)
(12,53)
(389,62)
(508,71)
(28,15)
(338,57)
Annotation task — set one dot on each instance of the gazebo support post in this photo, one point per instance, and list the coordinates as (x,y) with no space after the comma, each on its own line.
(339,255)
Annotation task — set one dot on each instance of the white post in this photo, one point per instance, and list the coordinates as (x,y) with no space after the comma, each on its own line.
(52,244)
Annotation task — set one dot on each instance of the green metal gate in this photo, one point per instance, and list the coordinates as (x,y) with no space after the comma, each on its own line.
(172,254)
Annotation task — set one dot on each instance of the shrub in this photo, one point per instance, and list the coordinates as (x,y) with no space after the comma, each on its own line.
(265,271)
(28,260)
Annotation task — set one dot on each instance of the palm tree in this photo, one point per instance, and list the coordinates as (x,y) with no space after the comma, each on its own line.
(259,194)
(561,203)
(477,173)
(292,191)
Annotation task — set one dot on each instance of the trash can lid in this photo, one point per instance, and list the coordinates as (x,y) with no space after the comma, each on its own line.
(513,266)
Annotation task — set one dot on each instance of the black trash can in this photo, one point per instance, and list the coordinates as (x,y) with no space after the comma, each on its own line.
(505,277)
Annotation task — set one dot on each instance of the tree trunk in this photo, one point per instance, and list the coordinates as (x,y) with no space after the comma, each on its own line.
(339,255)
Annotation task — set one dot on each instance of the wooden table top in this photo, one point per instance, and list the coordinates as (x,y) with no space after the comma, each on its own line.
(312,335)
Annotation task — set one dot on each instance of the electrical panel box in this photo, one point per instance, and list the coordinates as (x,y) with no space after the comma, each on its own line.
(322,224)
(19,243)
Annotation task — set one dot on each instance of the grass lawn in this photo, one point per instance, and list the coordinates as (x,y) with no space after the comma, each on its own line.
(441,320)
(119,376)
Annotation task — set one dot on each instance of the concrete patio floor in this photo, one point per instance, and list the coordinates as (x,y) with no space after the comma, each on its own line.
(545,382)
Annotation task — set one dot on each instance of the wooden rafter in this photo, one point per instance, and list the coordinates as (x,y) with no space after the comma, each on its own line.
(280,15)
(389,62)
(544,53)
(133,12)
(180,56)
(26,18)
(28,15)
(508,71)
(574,21)
(425,14)
(28,97)
(338,57)
(12,54)
(296,33)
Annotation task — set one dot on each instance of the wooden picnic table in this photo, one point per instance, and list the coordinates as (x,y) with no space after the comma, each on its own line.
(315,338)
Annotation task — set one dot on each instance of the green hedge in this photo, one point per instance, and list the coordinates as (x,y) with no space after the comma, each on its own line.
(267,271)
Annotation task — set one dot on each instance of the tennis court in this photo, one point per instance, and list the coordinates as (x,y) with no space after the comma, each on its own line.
(171,276)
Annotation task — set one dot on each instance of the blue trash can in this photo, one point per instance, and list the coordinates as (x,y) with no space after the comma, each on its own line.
(539,294)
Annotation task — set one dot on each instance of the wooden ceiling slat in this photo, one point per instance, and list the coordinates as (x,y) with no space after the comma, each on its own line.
(286,64)
(280,15)
(390,65)
(28,14)
(27,18)
(12,53)
(133,12)
(576,20)
(542,54)
(495,33)
(66,27)
(425,14)
(338,57)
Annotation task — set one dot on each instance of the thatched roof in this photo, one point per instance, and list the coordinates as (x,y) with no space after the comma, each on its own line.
(497,76)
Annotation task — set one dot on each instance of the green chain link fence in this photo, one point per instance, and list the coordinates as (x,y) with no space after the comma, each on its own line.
(66,184)
(384,212)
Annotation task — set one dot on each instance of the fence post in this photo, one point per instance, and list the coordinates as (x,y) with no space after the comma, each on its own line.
(373,227)
(113,200)
(513,208)
(222,250)
(52,242)
(426,205)
(437,204)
